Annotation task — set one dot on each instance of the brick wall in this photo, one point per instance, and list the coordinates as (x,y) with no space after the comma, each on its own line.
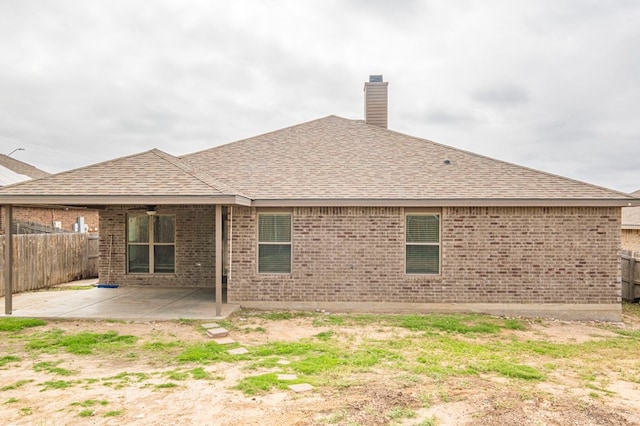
(195,248)
(46,216)
(631,239)
(493,255)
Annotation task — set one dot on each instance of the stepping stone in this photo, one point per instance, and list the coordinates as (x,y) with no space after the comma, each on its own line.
(287,377)
(217,332)
(302,387)
(210,325)
(283,362)
(238,351)
(224,340)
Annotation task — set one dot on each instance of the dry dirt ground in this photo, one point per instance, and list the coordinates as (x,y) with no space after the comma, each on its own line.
(488,400)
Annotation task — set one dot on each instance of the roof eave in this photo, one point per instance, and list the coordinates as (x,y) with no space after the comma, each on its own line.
(124,199)
(439,202)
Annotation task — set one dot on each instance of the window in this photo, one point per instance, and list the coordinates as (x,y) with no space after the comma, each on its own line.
(274,243)
(151,244)
(422,244)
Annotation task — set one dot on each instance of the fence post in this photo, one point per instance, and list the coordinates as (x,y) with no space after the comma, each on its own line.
(8,261)
(632,277)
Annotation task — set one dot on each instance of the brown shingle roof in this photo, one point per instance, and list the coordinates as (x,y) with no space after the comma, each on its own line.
(21,167)
(331,160)
(151,173)
(337,158)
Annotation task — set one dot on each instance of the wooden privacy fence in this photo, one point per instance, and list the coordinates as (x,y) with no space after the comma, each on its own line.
(630,268)
(43,260)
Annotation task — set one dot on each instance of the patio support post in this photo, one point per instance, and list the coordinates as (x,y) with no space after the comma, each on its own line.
(218,260)
(8,260)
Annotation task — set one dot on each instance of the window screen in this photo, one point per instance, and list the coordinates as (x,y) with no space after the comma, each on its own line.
(422,254)
(274,243)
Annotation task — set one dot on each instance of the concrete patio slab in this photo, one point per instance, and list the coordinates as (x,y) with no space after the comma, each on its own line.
(128,303)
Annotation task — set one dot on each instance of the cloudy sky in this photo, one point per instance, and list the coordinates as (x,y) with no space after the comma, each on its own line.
(553,85)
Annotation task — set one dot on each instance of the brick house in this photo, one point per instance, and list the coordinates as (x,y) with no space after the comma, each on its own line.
(631,226)
(343,214)
(14,171)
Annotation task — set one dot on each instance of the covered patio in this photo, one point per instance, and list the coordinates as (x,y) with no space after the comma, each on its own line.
(161,236)
(122,303)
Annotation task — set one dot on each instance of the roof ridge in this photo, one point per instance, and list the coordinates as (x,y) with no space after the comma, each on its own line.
(200,175)
(21,167)
(182,157)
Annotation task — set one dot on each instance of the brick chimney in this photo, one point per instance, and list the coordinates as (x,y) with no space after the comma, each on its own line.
(375,101)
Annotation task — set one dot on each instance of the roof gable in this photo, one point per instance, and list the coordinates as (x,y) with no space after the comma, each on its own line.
(149,174)
(337,158)
(14,171)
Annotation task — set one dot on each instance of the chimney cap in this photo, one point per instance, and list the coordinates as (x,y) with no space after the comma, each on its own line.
(375,78)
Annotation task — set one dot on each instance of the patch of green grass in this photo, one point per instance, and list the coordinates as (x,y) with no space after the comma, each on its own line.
(26,411)
(206,352)
(199,374)
(516,371)
(429,421)
(126,377)
(177,375)
(82,343)
(325,335)
(11,400)
(51,368)
(166,385)
(86,413)
(4,360)
(16,385)
(57,384)
(166,347)
(17,324)
(301,347)
(253,385)
(329,320)
(89,403)
(113,413)
(461,324)
(401,413)
(635,334)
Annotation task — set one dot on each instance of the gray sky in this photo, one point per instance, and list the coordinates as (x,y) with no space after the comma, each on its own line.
(553,85)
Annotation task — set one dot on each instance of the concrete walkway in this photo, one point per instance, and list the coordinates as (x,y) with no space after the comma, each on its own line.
(127,303)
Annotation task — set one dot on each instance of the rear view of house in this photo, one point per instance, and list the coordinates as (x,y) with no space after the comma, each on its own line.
(344,214)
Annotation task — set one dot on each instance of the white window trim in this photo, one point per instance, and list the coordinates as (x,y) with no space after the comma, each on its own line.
(421,212)
(272,212)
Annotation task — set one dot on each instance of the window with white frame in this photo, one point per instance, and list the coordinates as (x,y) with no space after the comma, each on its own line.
(274,243)
(151,244)
(422,240)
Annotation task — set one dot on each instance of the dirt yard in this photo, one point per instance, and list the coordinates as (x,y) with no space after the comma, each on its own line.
(141,383)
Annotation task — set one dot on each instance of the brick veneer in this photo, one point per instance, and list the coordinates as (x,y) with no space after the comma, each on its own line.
(489,255)
(631,239)
(46,216)
(195,248)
